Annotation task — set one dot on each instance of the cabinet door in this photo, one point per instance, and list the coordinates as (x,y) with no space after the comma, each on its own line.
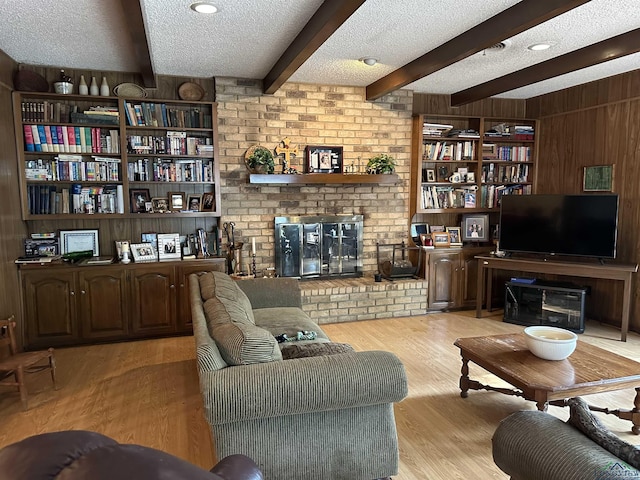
(104,303)
(50,307)
(443,280)
(153,300)
(184,306)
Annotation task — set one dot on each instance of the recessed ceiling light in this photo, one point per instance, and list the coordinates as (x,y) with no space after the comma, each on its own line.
(204,7)
(540,46)
(369,61)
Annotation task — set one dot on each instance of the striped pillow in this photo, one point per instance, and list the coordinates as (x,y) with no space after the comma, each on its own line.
(245,344)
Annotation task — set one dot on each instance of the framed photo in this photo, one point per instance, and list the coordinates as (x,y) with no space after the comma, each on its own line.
(208,202)
(454,236)
(417,229)
(139,198)
(471,177)
(598,179)
(152,238)
(143,252)
(436,228)
(431,175)
(475,228)
(177,201)
(169,246)
(194,202)
(79,241)
(320,159)
(441,239)
(426,240)
(159,205)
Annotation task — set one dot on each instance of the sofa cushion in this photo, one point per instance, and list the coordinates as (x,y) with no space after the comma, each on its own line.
(244,344)
(224,301)
(288,320)
(290,351)
(581,418)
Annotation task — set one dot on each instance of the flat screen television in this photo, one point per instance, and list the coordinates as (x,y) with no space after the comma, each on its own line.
(582,225)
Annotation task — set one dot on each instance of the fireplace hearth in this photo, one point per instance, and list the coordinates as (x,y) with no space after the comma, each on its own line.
(319,246)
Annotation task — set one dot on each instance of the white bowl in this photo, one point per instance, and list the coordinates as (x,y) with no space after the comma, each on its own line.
(550,343)
(63,87)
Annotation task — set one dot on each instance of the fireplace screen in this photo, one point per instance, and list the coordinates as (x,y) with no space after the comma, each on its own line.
(321,246)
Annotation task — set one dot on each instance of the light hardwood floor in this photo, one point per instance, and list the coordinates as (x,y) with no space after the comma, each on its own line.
(146,392)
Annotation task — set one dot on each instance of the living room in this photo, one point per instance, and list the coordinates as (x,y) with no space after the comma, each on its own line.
(579,126)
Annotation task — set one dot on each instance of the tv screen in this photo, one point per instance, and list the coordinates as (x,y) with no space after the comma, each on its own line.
(584,225)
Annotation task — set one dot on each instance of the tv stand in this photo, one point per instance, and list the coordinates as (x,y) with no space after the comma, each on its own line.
(619,272)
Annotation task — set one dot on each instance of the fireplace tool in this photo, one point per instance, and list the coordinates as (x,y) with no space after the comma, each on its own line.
(234,249)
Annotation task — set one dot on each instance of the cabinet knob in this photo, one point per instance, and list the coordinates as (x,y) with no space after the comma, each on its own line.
(72,293)
(172,286)
(82,292)
(182,285)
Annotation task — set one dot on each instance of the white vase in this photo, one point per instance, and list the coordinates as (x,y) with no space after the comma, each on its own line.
(83,89)
(93,89)
(104,87)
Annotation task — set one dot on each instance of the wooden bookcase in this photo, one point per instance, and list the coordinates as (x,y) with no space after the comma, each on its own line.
(113,160)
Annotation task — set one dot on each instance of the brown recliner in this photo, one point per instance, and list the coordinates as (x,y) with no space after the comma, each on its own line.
(78,454)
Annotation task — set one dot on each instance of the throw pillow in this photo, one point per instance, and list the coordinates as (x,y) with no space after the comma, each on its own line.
(581,418)
(315,350)
(223,300)
(245,344)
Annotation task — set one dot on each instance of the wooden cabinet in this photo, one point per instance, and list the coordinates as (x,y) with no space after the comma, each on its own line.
(452,277)
(73,305)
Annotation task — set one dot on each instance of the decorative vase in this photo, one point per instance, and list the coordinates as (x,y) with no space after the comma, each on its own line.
(104,87)
(93,89)
(83,89)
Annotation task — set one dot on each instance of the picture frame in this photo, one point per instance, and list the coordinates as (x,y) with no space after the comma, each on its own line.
(323,159)
(159,205)
(139,198)
(79,241)
(426,240)
(598,178)
(416,230)
(152,238)
(431,175)
(143,252)
(471,177)
(208,202)
(436,228)
(475,228)
(194,202)
(441,239)
(455,236)
(169,246)
(177,201)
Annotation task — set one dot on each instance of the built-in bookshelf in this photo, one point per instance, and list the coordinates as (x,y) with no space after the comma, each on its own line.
(112,157)
(466,164)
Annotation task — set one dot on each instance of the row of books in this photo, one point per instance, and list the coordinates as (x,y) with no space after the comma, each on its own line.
(444,151)
(435,129)
(170,170)
(70,139)
(150,114)
(506,153)
(505,173)
(447,197)
(173,143)
(74,168)
(48,200)
(492,194)
(47,112)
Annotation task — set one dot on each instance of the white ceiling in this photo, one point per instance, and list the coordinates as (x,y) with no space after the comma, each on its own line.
(246,37)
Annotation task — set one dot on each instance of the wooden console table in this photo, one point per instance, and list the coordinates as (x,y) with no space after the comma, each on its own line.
(487,263)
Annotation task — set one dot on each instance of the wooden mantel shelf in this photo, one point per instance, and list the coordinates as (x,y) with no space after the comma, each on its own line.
(322,178)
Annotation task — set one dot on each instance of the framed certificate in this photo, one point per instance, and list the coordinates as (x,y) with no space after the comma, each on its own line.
(79,241)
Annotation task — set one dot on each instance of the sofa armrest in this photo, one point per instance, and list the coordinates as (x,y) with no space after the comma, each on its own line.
(303,385)
(272,292)
(533,445)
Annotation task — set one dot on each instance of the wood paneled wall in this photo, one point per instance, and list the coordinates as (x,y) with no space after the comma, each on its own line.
(597,123)
(12,228)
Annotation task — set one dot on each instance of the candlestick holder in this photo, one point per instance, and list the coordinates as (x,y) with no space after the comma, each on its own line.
(253,265)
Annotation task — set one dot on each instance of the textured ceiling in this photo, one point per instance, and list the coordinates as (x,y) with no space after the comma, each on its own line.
(246,37)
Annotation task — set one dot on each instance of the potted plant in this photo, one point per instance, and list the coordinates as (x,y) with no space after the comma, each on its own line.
(382,163)
(259,159)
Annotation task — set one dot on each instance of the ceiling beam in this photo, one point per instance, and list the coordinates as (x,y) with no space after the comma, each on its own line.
(327,19)
(600,52)
(516,19)
(135,23)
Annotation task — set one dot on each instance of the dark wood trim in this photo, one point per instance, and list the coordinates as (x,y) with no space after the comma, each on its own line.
(600,52)
(522,16)
(140,44)
(8,67)
(327,19)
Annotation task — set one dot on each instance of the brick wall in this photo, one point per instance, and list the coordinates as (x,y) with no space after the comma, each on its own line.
(313,115)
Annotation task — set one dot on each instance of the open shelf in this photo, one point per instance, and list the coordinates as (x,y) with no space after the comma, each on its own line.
(322,178)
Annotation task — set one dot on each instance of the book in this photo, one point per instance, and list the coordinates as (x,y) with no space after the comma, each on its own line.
(36,138)
(28,139)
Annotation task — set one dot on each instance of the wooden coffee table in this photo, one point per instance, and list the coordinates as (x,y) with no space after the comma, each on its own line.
(588,370)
